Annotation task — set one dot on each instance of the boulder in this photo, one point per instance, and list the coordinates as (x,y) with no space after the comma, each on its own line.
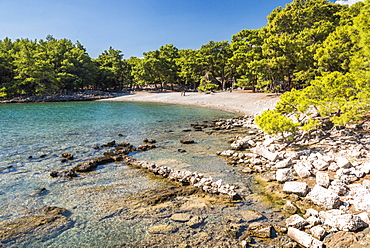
(284,163)
(296,221)
(322,179)
(187,141)
(324,197)
(264,152)
(298,188)
(304,239)
(318,232)
(342,221)
(343,163)
(181,217)
(261,230)
(365,168)
(302,170)
(313,220)
(92,164)
(290,208)
(284,175)
(338,187)
(320,164)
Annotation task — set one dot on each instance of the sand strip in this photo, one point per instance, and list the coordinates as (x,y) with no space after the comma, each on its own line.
(239,102)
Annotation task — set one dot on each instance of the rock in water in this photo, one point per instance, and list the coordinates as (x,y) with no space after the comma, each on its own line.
(187,141)
(92,164)
(42,224)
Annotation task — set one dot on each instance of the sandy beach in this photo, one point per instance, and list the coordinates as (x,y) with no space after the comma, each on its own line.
(241,102)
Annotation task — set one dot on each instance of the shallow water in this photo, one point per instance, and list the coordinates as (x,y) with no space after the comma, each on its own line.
(33,137)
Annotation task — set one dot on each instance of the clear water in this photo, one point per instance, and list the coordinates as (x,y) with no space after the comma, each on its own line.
(44,131)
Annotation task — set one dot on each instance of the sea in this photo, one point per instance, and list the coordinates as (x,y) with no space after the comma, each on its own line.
(33,137)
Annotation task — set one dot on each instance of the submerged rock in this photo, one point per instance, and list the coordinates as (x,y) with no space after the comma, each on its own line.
(92,164)
(187,141)
(41,224)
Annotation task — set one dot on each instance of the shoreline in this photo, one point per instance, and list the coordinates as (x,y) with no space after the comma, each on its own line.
(239,102)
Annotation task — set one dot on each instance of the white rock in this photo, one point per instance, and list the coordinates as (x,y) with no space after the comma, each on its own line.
(343,162)
(324,197)
(322,179)
(338,187)
(311,212)
(301,170)
(333,167)
(303,238)
(284,175)
(264,152)
(318,232)
(283,164)
(296,221)
(320,165)
(342,221)
(366,184)
(313,220)
(299,188)
(365,217)
(366,167)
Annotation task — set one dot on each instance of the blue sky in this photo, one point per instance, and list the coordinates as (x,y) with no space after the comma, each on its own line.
(133,26)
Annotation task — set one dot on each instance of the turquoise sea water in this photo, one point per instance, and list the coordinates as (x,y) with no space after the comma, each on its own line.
(33,137)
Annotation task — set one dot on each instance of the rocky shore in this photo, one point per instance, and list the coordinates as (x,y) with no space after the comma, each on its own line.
(77,96)
(321,183)
(322,180)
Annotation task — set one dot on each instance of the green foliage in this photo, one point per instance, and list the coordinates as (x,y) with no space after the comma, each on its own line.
(207,85)
(272,122)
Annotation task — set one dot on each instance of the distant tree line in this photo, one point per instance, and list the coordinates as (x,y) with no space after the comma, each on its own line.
(306,43)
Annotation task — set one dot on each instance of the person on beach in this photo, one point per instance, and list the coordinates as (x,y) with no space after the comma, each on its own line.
(183,91)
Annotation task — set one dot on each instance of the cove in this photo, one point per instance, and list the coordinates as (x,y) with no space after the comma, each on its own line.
(33,137)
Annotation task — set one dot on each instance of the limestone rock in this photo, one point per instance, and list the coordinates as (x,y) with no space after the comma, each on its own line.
(181,217)
(187,141)
(322,179)
(40,224)
(324,197)
(303,238)
(313,220)
(284,175)
(284,163)
(251,215)
(162,229)
(92,164)
(344,222)
(302,170)
(320,165)
(338,187)
(290,208)
(343,163)
(299,188)
(261,230)
(195,222)
(296,221)
(318,232)
(264,152)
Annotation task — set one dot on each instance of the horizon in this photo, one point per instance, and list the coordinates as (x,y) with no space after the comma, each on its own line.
(133,26)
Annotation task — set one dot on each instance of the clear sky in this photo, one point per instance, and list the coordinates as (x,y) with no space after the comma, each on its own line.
(133,26)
